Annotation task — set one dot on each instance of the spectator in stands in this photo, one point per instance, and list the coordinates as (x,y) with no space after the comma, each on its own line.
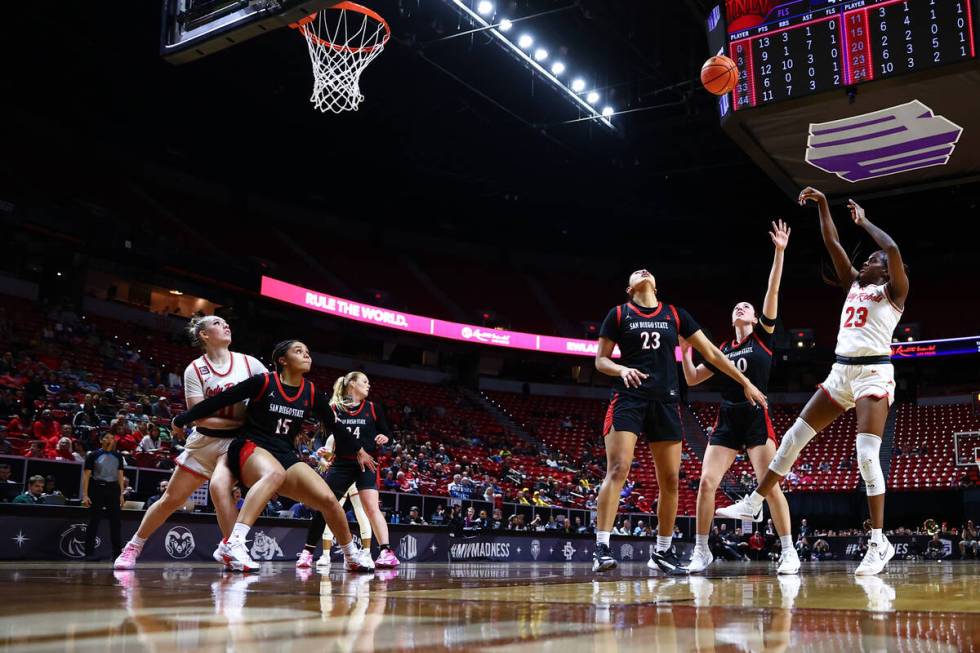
(36,450)
(46,429)
(719,547)
(236,496)
(415,517)
(161,408)
(438,518)
(521,497)
(161,488)
(8,487)
(625,528)
(824,466)
(579,527)
(757,546)
(804,529)
(935,550)
(51,486)
(551,525)
(540,500)
(274,506)
(803,548)
(456,487)
(968,539)
(6,448)
(821,550)
(64,451)
(389,484)
(456,520)
(35,490)
(151,441)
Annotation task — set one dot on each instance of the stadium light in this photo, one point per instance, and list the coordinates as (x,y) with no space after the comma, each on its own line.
(540,54)
(592,97)
(607,111)
(485,7)
(521,49)
(557,69)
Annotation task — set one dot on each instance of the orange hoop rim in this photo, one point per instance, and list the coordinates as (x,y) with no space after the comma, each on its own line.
(302,24)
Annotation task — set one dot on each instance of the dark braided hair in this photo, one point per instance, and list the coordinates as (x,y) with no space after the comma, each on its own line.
(279,351)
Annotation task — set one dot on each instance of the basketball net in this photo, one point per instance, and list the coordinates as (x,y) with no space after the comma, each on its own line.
(342,41)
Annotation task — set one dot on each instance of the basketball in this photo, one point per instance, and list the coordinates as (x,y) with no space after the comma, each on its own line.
(719,75)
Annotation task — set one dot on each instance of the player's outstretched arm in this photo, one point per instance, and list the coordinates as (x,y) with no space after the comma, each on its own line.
(780,239)
(846,274)
(898,279)
(604,363)
(693,375)
(719,361)
(246,389)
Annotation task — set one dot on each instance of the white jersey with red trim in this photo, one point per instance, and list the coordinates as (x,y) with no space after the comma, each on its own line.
(203,379)
(867,322)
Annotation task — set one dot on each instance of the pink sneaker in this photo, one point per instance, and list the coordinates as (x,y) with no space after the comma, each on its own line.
(305,560)
(127,559)
(387,560)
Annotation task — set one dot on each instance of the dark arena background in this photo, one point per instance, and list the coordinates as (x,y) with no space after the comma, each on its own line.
(451,205)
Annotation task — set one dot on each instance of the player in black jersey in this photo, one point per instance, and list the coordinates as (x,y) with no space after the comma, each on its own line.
(741,425)
(367,422)
(264,458)
(645,401)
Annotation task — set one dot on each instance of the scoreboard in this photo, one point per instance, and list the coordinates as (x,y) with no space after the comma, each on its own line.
(803,47)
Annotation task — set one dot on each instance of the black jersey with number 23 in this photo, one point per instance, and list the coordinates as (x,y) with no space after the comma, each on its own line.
(647,339)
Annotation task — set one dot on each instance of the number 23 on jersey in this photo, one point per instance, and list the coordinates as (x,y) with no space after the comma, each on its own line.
(856,317)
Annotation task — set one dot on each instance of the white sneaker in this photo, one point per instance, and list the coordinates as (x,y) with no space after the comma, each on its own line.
(789,562)
(360,561)
(876,558)
(742,510)
(236,558)
(789,587)
(323,562)
(220,553)
(700,559)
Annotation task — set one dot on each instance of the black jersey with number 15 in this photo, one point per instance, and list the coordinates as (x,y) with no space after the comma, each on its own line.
(647,339)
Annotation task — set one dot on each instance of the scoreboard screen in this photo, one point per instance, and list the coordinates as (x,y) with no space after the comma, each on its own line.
(797,48)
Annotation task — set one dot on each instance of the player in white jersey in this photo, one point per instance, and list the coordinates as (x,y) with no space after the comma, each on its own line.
(325,454)
(862,376)
(205,451)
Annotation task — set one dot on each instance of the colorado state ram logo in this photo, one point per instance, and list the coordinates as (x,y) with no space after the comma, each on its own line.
(179,542)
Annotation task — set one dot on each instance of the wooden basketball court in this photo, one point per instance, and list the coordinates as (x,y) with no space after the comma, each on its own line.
(921,607)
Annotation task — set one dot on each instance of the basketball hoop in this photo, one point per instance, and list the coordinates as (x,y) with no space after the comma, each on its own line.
(342,41)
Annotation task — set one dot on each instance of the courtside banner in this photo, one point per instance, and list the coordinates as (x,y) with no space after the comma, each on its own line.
(429,326)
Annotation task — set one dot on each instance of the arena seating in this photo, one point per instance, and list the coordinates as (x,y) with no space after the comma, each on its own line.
(923,454)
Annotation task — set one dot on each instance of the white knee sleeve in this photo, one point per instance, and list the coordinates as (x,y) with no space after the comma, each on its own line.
(868,462)
(792,444)
(362,518)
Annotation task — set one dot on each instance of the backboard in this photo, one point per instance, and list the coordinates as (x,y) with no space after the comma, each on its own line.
(191,29)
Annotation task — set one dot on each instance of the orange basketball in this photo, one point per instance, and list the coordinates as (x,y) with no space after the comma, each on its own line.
(719,75)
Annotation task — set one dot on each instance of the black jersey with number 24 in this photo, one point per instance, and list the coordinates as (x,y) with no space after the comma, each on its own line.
(365,420)
(647,339)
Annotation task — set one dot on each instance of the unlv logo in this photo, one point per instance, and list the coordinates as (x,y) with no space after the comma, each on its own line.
(72,543)
(408,548)
(743,14)
(179,542)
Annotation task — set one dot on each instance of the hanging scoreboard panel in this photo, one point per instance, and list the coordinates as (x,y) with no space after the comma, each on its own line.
(810,46)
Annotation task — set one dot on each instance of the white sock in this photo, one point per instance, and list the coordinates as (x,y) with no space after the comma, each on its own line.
(755,498)
(876,536)
(602,537)
(137,541)
(701,541)
(239,532)
(787,542)
(663,542)
(349,549)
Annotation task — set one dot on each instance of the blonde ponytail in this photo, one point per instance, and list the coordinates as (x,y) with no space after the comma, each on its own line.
(340,396)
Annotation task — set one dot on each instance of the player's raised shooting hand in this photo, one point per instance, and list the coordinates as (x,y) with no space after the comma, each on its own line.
(857,213)
(780,235)
(811,194)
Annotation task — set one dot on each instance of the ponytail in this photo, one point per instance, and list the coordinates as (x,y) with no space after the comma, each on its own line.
(278,352)
(340,396)
(194,329)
